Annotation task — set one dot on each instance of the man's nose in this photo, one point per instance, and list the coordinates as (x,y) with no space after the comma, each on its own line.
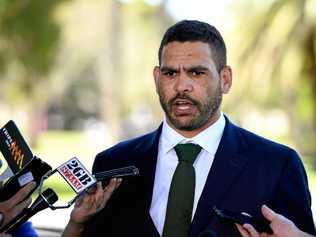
(183,83)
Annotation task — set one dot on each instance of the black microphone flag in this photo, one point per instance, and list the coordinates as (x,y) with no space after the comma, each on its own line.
(13,147)
(22,166)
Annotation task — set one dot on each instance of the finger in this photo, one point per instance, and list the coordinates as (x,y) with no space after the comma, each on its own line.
(92,189)
(103,195)
(18,208)
(251,230)
(79,200)
(242,231)
(22,193)
(112,185)
(110,188)
(99,196)
(118,183)
(87,201)
(268,213)
(99,191)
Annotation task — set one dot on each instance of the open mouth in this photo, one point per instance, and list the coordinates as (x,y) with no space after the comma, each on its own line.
(183,107)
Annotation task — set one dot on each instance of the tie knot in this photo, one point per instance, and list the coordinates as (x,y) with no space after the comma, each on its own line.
(187,152)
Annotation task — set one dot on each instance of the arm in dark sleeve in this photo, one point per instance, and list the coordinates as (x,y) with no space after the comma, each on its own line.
(293,199)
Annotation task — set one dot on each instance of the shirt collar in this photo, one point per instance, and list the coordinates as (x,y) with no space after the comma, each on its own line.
(208,139)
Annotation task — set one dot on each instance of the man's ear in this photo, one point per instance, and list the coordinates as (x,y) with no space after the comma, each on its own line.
(156,74)
(226,77)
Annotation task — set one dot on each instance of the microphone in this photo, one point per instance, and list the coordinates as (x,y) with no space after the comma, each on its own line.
(105,176)
(208,233)
(75,178)
(47,198)
(23,166)
(80,179)
(33,171)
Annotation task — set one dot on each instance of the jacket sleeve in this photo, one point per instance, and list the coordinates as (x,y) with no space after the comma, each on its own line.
(101,221)
(293,199)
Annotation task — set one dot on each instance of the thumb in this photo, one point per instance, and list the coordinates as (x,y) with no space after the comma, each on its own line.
(267,212)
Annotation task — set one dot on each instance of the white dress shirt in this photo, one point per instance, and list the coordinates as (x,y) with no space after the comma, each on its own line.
(167,162)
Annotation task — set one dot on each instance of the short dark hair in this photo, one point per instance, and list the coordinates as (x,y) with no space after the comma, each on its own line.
(192,31)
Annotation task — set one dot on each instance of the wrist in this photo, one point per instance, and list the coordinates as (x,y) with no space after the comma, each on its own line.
(73,229)
(76,225)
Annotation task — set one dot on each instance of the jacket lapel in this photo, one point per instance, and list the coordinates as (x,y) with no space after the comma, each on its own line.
(227,164)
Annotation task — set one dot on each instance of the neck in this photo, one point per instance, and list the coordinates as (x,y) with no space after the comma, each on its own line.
(193,133)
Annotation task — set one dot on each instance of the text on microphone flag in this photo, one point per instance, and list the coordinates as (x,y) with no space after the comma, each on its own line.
(76,175)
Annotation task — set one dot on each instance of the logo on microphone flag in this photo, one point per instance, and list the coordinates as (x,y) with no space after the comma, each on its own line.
(14,149)
(76,175)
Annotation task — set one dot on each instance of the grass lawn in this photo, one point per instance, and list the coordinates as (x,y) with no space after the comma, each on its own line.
(57,147)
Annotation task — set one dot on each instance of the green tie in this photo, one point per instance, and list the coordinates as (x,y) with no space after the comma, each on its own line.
(181,194)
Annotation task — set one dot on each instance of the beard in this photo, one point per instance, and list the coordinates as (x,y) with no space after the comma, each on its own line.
(206,109)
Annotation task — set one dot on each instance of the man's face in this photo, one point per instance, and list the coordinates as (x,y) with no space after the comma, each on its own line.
(189,86)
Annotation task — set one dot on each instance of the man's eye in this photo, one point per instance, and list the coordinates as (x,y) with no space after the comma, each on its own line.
(197,73)
(170,73)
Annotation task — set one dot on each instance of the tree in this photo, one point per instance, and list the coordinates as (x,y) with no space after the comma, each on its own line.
(28,42)
(278,56)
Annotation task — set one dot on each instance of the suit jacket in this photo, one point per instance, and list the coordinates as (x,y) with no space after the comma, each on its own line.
(248,171)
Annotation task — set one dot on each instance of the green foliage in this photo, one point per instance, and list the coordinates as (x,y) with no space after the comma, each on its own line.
(28,33)
(278,63)
(142,29)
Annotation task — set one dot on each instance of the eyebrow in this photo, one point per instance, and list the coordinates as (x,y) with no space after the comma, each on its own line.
(189,68)
(168,69)
(196,68)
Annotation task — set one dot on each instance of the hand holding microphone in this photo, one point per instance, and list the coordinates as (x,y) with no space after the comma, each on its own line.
(90,197)
(21,177)
(23,166)
(47,198)
(281,226)
(95,199)
(87,205)
(15,205)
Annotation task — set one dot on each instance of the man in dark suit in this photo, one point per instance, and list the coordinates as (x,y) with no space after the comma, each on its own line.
(196,159)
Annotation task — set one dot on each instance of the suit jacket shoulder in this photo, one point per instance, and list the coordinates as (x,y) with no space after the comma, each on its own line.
(254,171)
(127,210)
(126,152)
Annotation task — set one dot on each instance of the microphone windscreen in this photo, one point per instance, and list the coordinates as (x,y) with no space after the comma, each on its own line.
(43,201)
(50,196)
